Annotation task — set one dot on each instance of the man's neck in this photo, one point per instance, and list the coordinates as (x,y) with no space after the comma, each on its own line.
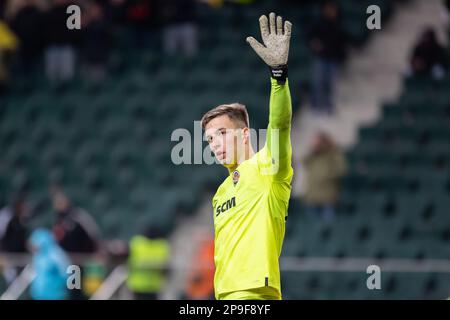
(245,156)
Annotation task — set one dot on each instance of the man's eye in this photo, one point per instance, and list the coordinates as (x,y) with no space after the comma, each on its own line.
(209,139)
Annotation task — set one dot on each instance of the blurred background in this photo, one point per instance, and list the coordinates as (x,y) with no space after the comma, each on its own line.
(86,117)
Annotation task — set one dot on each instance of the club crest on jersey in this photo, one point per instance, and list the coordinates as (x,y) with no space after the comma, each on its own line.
(236,176)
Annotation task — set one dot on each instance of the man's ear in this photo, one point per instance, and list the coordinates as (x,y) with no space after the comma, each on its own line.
(246,135)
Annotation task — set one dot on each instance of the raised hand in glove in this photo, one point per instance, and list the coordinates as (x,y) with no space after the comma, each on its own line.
(275,50)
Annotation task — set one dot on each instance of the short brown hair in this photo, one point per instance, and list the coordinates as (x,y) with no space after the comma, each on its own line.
(235,111)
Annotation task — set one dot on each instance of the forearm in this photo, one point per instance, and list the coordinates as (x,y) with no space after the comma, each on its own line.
(280,105)
(278,140)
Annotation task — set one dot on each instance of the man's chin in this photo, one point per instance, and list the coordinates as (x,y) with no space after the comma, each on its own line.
(226,163)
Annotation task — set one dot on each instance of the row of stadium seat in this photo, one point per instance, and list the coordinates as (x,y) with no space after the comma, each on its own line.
(394,204)
(353,286)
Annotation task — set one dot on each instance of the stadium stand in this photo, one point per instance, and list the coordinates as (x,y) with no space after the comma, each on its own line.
(395,200)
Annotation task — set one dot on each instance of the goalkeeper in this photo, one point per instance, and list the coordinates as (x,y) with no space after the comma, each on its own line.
(250,206)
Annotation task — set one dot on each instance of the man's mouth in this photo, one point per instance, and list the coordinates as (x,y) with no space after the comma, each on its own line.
(220,155)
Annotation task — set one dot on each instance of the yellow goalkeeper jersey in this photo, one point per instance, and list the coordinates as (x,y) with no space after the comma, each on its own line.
(250,208)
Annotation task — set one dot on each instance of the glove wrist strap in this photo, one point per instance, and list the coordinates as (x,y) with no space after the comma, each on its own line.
(279,73)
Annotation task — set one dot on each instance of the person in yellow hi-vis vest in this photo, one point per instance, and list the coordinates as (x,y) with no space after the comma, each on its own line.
(147,265)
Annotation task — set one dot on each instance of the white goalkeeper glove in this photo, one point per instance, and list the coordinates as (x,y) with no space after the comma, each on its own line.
(275,50)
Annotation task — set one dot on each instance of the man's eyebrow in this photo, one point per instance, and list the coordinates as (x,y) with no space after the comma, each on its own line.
(220,129)
(215,131)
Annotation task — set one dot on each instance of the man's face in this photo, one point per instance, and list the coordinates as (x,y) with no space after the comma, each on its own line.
(60,204)
(225,140)
(316,142)
(19,209)
(96,12)
(331,12)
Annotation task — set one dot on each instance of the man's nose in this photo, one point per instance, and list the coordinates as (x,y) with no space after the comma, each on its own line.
(215,145)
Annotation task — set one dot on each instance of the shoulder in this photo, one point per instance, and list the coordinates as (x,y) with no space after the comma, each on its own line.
(5,215)
(82,217)
(266,163)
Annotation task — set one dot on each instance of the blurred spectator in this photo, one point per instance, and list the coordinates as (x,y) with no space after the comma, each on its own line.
(50,265)
(96,43)
(446,13)
(13,232)
(60,53)
(200,285)
(141,14)
(180,30)
(328,43)
(8,44)
(74,230)
(114,11)
(94,273)
(429,57)
(2,9)
(214,3)
(27,24)
(13,228)
(147,264)
(323,167)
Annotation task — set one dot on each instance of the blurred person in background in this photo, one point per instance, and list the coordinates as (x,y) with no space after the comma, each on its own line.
(13,232)
(324,166)
(215,3)
(429,57)
(94,273)
(180,29)
(200,284)
(8,45)
(74,229)
(27,24)
(446,13)
(49,265)
(149,255)
(142,16)
(13,226)
(2,9)
(96,42)
(60,50)
(328,43)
